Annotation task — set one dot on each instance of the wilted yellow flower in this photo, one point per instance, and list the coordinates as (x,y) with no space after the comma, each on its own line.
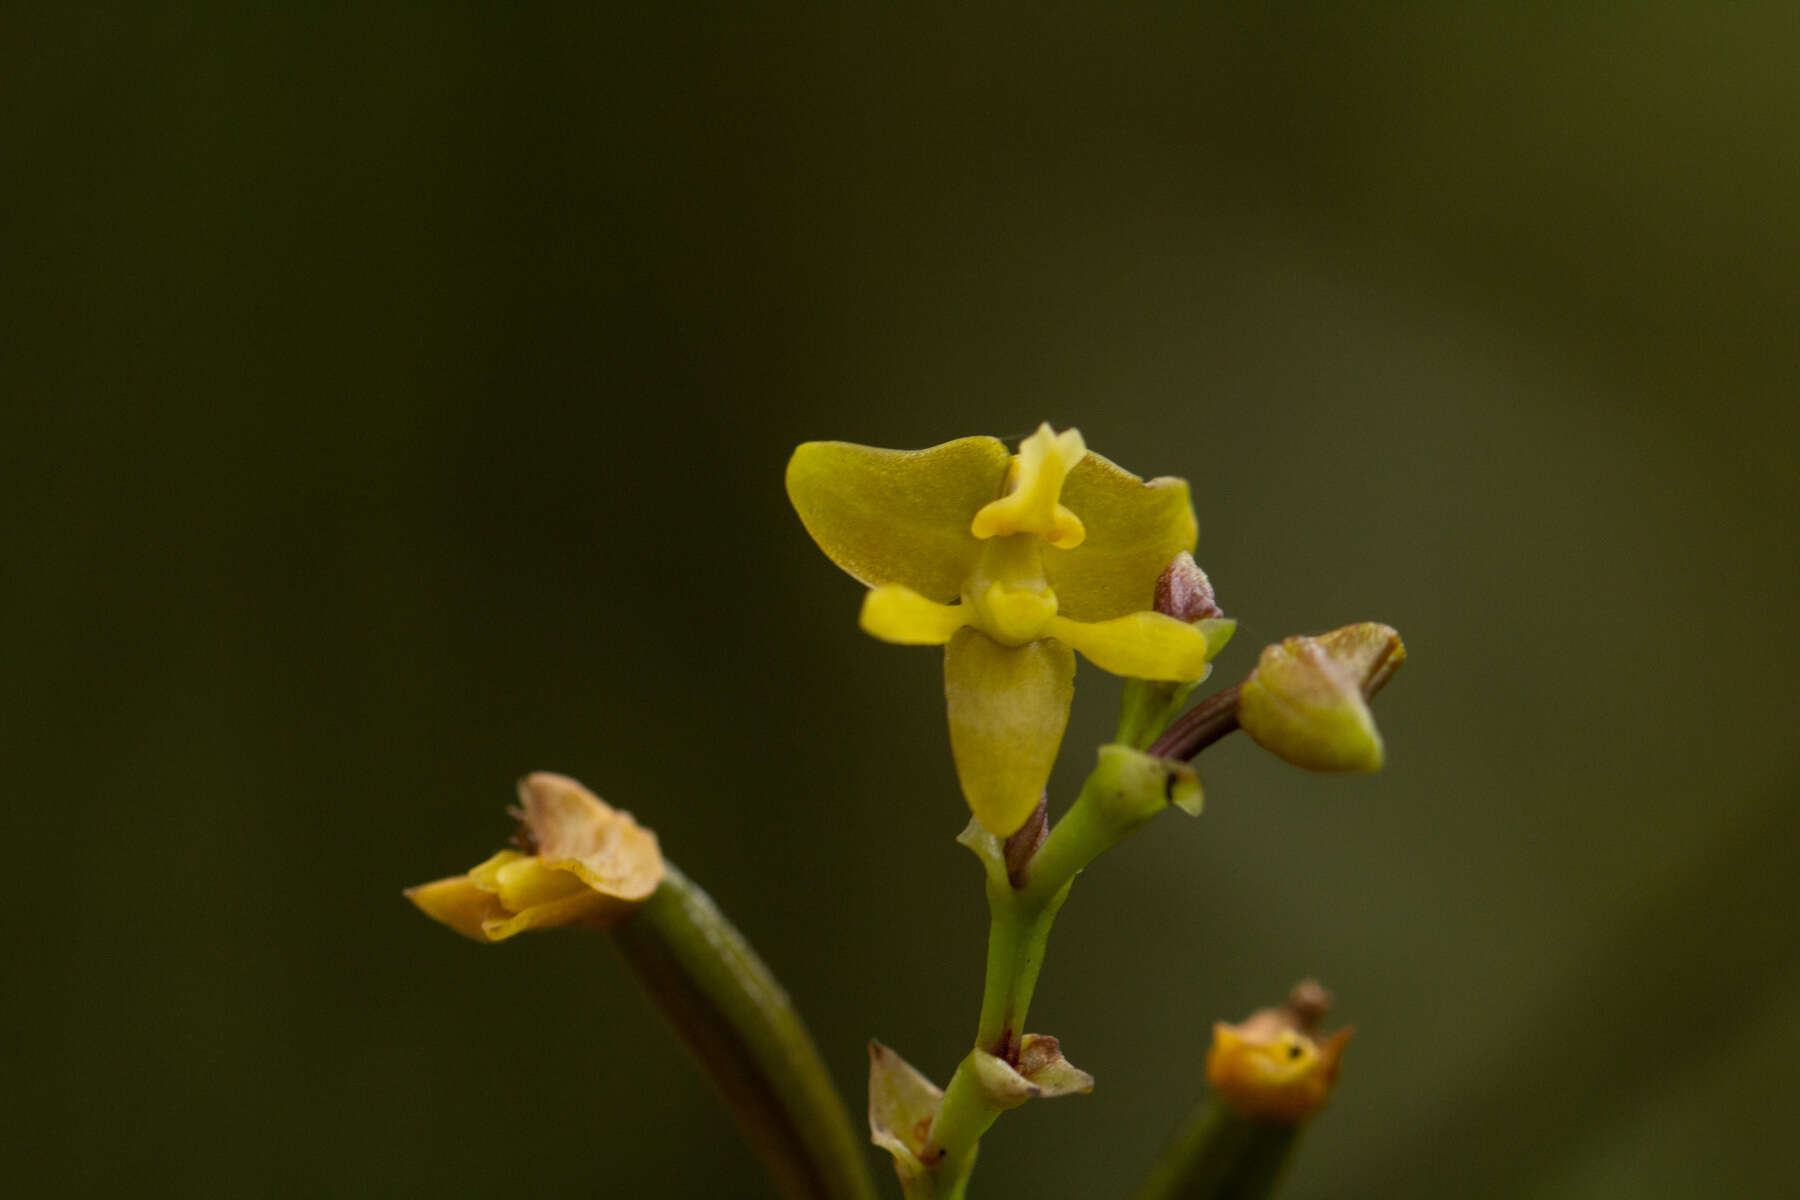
(1043,551)
(586,864)
(1274,1066)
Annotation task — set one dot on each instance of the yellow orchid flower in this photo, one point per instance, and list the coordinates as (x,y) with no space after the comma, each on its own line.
(1010,562)
(589,864)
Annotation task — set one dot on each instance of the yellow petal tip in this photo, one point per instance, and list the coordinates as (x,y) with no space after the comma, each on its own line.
(456,902)
(900,615)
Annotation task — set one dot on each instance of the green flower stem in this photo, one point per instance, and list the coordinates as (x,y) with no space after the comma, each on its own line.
(966,1113)
(1018,932)
(1146,706)
(1126,789)
(1200,726)
(736,1018)
(1221,1154)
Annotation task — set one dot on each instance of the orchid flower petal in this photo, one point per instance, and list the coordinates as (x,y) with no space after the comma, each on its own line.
(900,615)
(898,516)
(1134,529)
(1139,645)
(1008,706)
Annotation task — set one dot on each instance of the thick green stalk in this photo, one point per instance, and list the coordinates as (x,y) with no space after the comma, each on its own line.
(1221,1154)
(966,1113)
(1018,932)
(733,1014)
(1126,789)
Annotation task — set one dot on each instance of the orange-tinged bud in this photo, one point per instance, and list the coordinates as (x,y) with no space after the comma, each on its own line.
(1274,1066)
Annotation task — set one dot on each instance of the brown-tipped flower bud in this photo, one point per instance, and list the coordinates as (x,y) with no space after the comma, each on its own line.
(1273,1065)
(1370,652)
(1306,702)
(1184,592)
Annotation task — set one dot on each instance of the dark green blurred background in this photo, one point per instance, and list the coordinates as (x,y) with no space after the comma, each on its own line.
(398,400)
